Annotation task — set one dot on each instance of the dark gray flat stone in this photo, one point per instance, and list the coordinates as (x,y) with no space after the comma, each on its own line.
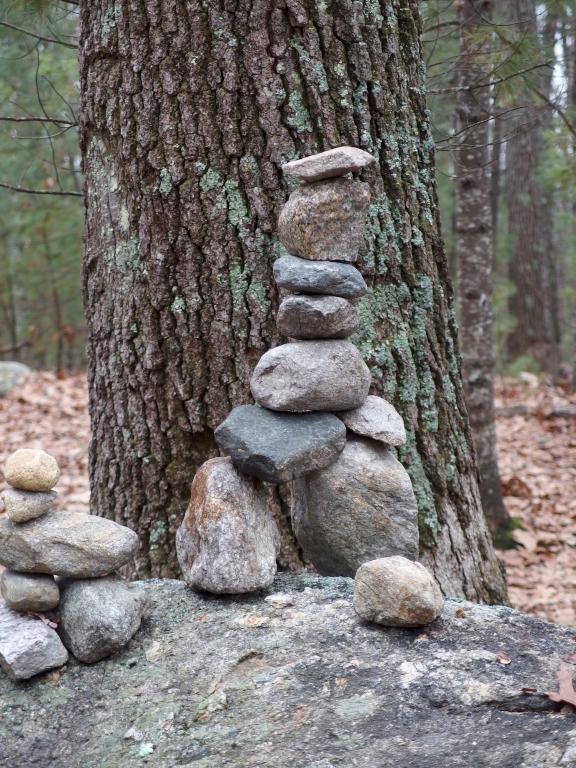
(292,678)
(331,278)
(278,447)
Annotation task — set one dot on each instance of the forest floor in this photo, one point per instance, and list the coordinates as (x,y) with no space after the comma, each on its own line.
(536,430)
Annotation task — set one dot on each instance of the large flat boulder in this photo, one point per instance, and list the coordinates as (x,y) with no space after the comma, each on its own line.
(294,679)
(66,544)
(360,508)
(278,447)
(311,376)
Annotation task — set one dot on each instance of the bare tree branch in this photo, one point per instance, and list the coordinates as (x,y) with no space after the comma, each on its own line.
(52,120)
(491,83)
(26,191)
(37,37)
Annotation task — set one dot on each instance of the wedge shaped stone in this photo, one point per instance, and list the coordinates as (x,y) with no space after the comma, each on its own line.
(277,447)
(325,220)
(66,544)
(311,376)
(378,419)
(330,278)
(28,647)
(317,317)
(360,508)
(228,538)
(99,616)
(326,165)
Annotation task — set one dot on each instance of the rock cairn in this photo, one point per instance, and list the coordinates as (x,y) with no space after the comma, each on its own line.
(98,612)
(314,424)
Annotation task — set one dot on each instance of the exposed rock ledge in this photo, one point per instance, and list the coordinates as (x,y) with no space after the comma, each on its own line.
(297,681)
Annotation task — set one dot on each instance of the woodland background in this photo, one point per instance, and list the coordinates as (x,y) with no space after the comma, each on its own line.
(501,81)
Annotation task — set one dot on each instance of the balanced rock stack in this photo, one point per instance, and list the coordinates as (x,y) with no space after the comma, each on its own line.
(98,612)
(314,424)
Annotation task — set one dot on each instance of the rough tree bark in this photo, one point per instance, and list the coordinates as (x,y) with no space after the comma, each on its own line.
(188,109)
(474,247)
(534,303)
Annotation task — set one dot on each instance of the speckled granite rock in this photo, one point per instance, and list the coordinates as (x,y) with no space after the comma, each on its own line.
(30,469)
(28,647)
(227,541)
(296,680)
(99,616)
(66,544)
(311,376)
(325,220)
(378,419)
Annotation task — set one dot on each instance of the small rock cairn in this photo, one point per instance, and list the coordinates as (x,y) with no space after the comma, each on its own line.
(98,612)
(314,426)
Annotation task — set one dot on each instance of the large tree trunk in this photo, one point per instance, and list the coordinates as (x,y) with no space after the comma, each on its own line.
(474,246)
(188,109)
(534,304)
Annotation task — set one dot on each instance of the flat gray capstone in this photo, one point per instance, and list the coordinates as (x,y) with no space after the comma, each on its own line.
(278,447)
(11,375)
(228,539)
(326,165)
(99,616)
(29,591)
(317,317)
(396,592)
(66,544)
(325,220)
(378,419)
(360,508)
(330,278)
(294,679)
(311,376)
(28,647)
(22,506)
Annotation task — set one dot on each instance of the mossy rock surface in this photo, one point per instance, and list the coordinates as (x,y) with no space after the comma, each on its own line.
(291,678)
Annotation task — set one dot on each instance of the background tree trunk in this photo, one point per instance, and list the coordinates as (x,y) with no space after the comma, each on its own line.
(474,246)
(534,304)
(188,109)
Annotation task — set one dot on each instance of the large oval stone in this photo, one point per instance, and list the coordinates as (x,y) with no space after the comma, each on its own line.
(317,317)
(325,220)
(360,508)
(278,447)
(325,277)
(66,544)
(227,541)
(311,376)
(29,591)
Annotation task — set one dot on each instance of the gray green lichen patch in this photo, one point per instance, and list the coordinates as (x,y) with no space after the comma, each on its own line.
(178,306)
(299,118)
(110,19)
(232,200)
(165,182)
(210,180)
(125,257)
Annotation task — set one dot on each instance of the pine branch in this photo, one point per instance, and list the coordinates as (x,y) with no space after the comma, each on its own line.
(26,191)
(37,37)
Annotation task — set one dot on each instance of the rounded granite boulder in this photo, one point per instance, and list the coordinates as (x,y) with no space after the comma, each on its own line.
(29,469)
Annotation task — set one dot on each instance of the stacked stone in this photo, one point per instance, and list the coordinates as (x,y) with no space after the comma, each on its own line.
(314,424)
(98,612)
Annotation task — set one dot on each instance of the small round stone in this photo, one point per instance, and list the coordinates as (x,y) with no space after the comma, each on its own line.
(22,506)
(396,592)
(31,470)
(29,591)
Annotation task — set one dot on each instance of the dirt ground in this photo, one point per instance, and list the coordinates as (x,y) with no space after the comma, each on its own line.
(536,429)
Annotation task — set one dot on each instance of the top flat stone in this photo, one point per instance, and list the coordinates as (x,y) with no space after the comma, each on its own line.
(329,164)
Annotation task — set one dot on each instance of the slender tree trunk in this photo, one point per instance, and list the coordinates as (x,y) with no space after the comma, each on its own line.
(531,268)
(188,109)
(474,246)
